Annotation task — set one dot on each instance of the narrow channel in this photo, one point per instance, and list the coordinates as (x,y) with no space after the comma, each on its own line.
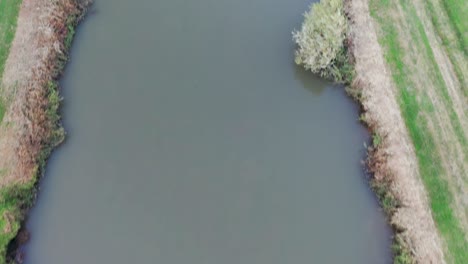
(193,138)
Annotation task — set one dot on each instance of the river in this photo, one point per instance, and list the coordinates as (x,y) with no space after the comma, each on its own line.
(193,138)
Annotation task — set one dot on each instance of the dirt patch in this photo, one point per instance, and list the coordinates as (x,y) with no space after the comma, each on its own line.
(394,161)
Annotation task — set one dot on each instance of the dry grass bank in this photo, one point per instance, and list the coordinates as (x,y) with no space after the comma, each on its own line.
(411,78)
(30,127)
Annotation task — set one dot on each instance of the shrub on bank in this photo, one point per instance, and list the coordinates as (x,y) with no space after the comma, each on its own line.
(321,41)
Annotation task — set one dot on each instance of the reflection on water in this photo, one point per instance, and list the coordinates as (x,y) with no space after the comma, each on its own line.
(310,81)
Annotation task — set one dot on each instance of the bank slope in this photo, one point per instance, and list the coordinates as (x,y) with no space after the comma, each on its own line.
(9,10)
(31,64)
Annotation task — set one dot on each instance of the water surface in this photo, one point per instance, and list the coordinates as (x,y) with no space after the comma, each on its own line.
(193,138)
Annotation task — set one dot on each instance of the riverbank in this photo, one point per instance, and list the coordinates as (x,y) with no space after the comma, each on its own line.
(411,81)
(30,127)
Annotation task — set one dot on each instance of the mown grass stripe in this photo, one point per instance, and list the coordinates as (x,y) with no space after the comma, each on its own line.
(442,91)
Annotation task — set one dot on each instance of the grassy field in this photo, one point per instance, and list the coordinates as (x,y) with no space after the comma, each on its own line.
(417,36)
(8,13)
(447,19)
(457,11)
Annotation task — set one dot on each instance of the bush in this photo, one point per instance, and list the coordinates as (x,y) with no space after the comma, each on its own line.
(320,41)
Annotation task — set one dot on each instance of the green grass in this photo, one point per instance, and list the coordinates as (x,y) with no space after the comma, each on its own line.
(453,43)
(457,11)
(12,200)
(420,38)
(387,201)
(9,10)
(70,33)
(57,134)
(376,140)
(402,255)
(2,110)
(426,150)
